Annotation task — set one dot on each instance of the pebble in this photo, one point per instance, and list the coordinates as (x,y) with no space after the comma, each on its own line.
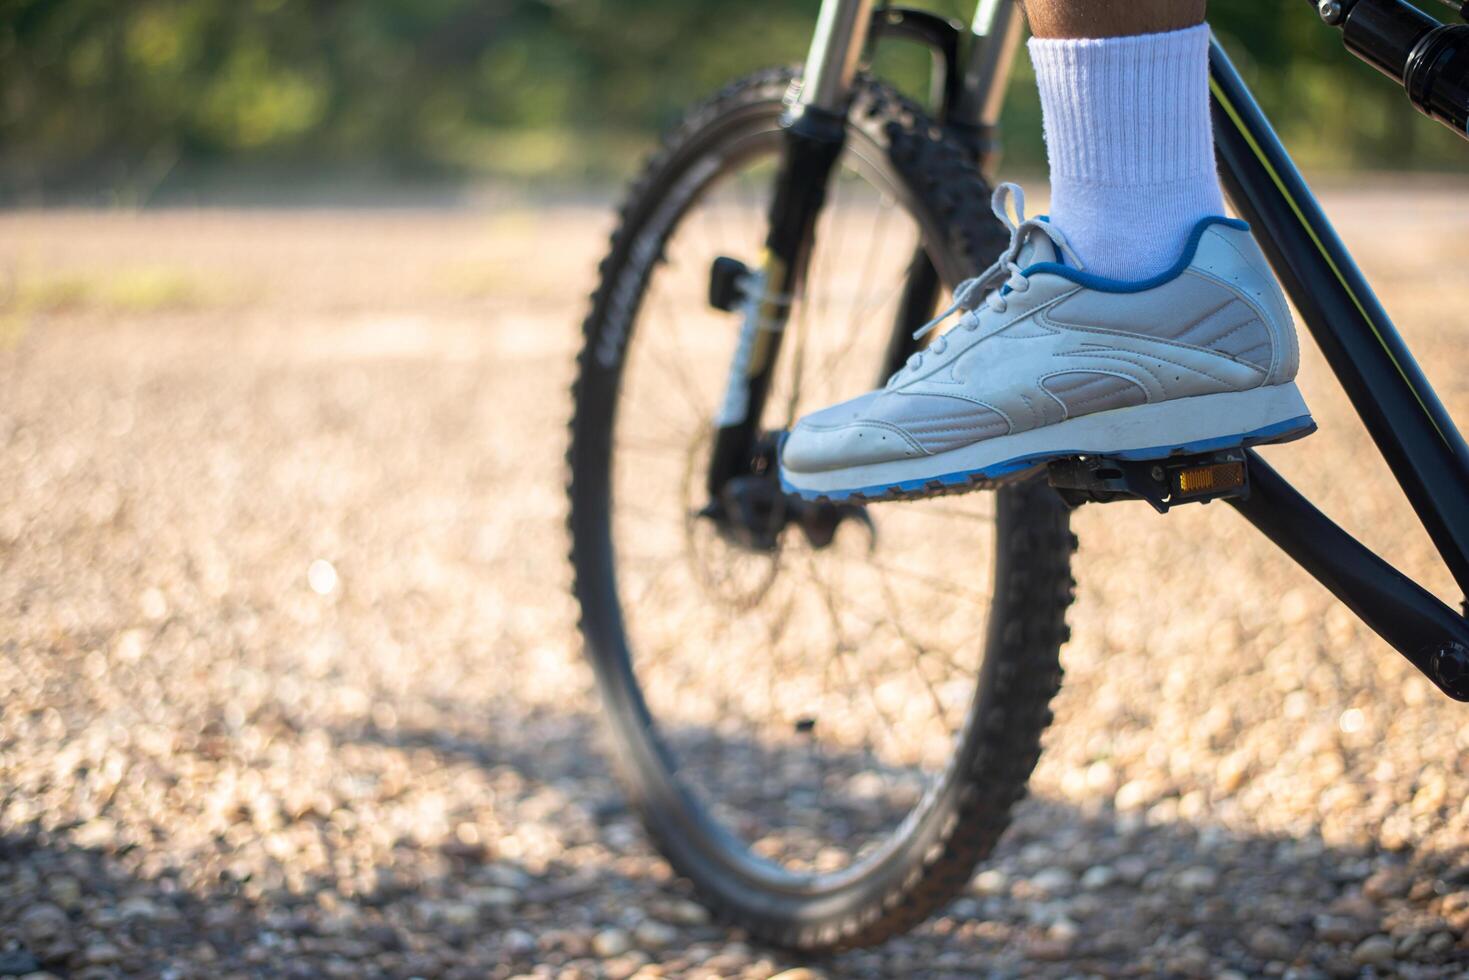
(1053,881)
(611,942)
(43,921)
(492,897)
(727,963)
(991,881)
(17,962)
(1048,948)
(1337,929)
(1387,883)
(1065,930)
(1272,943)
(1374,951)
(624,966)
(1086,905)
(138,906)
(1131,870)
(102,954)
(1097,877)
(1190,961)
(507,876)
(1197,879)
(1354,905)
(518,942)
(65,890)
(685,913)
(1044,913)
(461,914)
(652,934)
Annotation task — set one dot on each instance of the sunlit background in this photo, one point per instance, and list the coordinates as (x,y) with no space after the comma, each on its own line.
(290,681)
(149,102)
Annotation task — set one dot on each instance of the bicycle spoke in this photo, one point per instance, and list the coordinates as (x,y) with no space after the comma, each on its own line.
(942,585)
(877,239)
(843,649)
(918,649)
(651,448)
(925,509)
(688,387)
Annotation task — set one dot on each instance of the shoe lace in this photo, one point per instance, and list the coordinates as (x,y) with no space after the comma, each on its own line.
(1006,272)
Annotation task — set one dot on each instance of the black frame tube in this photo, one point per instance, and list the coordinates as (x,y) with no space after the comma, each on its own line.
(1428,633)
(1412,430)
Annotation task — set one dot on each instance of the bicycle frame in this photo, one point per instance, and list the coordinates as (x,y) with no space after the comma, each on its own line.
(1407,422)
(1412,430)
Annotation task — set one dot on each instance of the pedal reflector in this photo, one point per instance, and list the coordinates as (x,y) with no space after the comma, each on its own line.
(1212,478)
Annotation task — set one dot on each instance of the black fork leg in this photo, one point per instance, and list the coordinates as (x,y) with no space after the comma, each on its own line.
(816,131)
(814,142)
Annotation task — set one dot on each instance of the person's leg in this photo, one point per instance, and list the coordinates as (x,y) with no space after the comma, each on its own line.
(1125,97)
(1110,18)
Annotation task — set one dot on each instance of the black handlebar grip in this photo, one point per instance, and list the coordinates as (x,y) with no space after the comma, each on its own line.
(1436,76)
(1429,59)
(1384,33)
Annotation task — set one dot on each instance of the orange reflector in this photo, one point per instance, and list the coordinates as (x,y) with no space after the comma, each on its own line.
(1207,479)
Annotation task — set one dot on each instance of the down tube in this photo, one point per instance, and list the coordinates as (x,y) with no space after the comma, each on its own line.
(1400,410)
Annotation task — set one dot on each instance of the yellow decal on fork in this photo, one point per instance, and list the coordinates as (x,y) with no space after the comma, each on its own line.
(774,305)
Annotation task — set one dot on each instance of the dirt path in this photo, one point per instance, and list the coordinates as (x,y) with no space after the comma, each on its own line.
(289,684)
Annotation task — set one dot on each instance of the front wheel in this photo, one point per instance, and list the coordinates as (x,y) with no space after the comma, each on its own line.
(824,732)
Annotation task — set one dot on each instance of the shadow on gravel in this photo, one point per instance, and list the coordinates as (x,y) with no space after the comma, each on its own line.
(1207,899)
(91,912)
(1066,891)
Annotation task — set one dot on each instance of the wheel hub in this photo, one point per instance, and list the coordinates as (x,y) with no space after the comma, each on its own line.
(752,511)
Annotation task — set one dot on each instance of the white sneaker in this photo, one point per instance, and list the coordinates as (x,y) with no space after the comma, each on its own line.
(1050,361)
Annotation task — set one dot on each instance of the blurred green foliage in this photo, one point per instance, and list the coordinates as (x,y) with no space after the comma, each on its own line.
(100,93)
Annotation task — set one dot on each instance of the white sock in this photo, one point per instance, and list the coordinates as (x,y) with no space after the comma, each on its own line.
(1130,144)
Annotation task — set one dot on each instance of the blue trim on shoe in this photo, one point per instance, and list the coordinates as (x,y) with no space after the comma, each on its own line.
(1300,424)
(1103,284)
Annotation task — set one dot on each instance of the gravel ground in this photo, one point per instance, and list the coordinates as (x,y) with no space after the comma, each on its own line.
(290,684)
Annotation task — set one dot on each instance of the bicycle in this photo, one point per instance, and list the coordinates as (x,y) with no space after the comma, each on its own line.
(821,821)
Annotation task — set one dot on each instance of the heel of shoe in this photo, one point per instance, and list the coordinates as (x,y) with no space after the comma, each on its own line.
(1238,254)
(1268,414)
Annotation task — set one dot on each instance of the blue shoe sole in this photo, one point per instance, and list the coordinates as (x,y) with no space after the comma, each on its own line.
(997,473)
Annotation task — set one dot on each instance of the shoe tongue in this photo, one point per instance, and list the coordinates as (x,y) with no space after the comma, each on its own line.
(1037,248)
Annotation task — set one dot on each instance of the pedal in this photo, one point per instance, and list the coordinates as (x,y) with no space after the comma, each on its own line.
(1163,483)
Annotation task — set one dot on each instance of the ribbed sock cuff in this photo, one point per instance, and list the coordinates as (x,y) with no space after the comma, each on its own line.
(1127,110)
(1130,143)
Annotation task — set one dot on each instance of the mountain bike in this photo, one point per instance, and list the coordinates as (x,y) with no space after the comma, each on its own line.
(824,712)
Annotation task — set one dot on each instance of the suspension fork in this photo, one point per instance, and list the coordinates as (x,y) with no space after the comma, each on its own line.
(970,111)
(815,135)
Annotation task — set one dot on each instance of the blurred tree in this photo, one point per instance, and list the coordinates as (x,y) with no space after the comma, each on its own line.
(97,93)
